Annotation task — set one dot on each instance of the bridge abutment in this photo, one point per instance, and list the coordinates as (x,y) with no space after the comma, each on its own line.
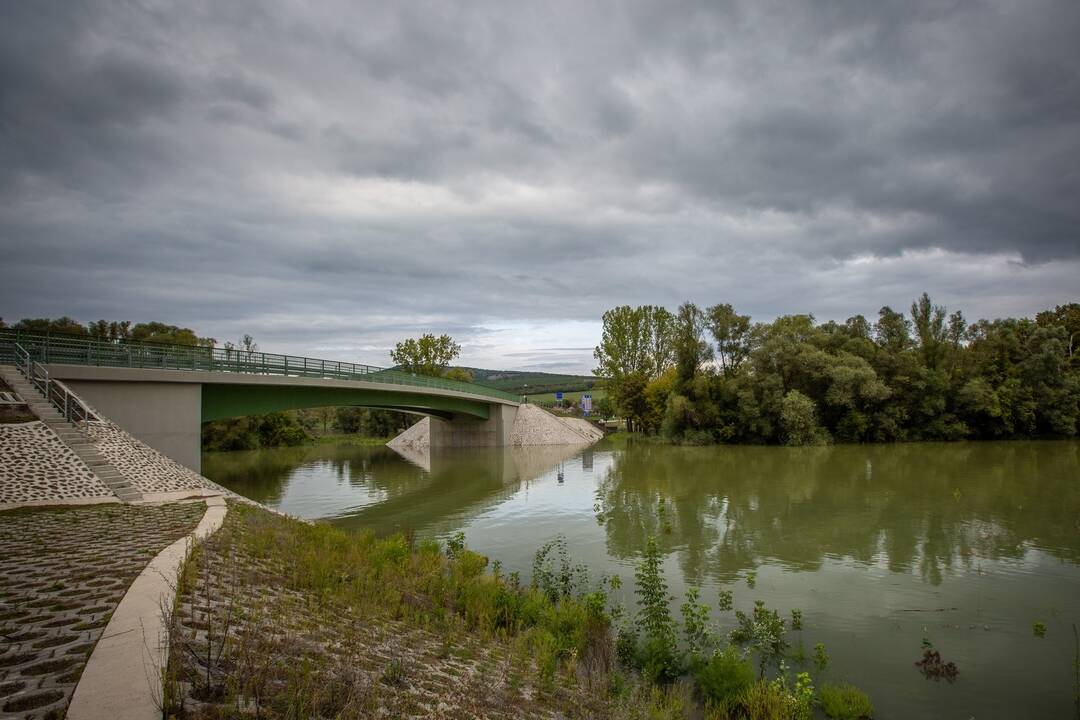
(465,431)
(167,416)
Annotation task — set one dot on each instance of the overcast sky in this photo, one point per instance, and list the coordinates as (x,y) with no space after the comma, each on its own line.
(332,177)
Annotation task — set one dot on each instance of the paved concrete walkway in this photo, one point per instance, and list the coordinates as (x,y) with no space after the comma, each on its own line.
(123,677)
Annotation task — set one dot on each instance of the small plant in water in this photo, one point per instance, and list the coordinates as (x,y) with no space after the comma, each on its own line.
(695,623)
(821,658)
(932,666)
(1038,629)
(726,601)
(561,580)
(751,579)
(455,544)
(658,656)
(804,693)
(762,632)
(796,619)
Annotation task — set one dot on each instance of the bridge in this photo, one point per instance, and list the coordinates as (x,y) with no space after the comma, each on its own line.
(162,394)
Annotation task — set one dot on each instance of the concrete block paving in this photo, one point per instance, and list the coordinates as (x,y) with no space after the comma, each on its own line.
(148,470)
(62,573)
(37,466)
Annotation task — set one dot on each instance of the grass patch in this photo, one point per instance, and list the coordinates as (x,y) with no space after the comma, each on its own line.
(845,702)
(279,618)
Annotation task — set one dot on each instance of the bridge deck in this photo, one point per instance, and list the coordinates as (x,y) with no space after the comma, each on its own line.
(70,350)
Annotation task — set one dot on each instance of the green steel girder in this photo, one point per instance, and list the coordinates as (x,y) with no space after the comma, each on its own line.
(220,400)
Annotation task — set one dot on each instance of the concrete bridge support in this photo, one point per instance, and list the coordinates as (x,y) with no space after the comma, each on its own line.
(464,431)
(167,416)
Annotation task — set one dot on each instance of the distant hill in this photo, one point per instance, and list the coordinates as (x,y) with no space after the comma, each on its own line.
(529,383)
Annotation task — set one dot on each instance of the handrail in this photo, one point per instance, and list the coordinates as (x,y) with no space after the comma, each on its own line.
(56,393)
(87,351)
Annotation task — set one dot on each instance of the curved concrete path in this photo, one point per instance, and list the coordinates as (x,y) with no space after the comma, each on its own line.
(122,679)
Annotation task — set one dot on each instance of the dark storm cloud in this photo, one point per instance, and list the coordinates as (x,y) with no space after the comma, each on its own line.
(334,177)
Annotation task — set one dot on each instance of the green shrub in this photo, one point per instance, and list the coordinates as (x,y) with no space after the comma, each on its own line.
(724,677)
(845,702)
(658,660)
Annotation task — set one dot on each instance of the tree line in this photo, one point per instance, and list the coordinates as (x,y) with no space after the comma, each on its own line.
(114,331)
(705,375)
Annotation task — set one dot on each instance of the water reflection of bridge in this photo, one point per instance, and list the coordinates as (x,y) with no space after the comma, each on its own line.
(460,483)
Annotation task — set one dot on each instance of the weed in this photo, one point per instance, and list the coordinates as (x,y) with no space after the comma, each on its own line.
(821,657)
(796,619)
(751,579)
(932,666)
(845,702)
(726,601)
(1038,629)
(772,701)
(394,674)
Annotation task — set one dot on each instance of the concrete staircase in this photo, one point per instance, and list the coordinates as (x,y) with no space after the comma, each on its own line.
(73,437)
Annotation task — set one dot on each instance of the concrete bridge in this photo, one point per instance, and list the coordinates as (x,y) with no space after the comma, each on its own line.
(162,394)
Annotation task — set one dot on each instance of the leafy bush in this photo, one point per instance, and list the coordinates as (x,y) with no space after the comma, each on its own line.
(763,632)
(845,702)
(659,661)
(724,677)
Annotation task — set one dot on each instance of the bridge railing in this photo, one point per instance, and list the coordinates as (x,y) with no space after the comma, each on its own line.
(73,350)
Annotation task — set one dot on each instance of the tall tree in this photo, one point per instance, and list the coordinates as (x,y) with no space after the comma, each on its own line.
(661,329)
(691,350)
(732,334)
(624,347)
(426,355)
(929,322)
(892,331)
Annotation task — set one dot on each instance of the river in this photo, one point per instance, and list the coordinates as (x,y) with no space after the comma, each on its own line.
(966,544)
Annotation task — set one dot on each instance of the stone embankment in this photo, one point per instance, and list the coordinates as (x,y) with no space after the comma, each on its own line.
(533,427)
(49,461)
(80,607)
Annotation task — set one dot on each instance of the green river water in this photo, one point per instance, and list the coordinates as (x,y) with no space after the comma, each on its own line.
(967,544)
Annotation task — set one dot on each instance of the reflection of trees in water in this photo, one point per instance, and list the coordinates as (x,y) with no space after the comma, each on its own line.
(928,507)
(257,474)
